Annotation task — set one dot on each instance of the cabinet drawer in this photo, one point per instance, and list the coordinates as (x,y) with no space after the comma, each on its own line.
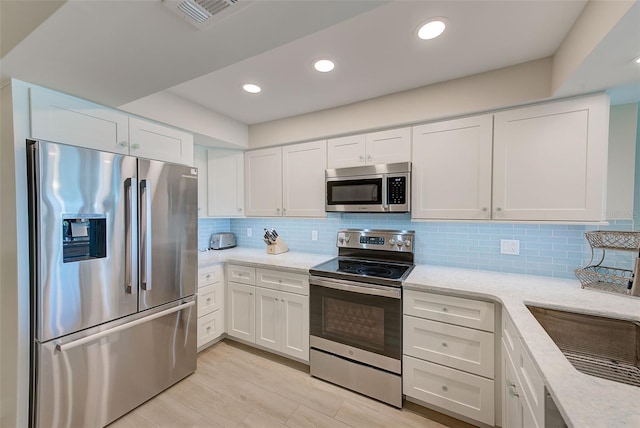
(208,275)
(457,347)
(463,393)
(210,298)
(449,309)
(284,281)
(241,274)
(210,327)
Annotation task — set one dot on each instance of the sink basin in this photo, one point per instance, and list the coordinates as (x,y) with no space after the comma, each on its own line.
(603,347)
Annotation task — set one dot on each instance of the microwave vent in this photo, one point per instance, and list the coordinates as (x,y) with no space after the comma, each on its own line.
(203,13)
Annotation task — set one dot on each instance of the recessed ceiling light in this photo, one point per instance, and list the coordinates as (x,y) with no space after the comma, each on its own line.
(432,29)
(251,88)
(324,65)
(637,60)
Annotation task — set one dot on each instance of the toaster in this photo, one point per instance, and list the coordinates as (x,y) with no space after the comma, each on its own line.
(221,241)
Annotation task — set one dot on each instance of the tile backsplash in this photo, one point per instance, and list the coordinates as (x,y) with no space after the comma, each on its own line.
(545,249)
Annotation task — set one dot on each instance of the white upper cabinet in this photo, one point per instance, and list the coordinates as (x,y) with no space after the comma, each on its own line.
(550,161)
(286,181)
(263,173)
(154,141)
(225,193)
(451,174)
(369,149)
(200,162)
(303,167)
(68,120)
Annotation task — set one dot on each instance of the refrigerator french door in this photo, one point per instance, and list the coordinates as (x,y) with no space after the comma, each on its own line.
(113,252)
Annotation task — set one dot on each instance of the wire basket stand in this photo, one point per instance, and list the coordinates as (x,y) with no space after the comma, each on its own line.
(607,278)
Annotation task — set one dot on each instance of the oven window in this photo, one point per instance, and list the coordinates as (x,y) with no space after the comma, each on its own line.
(348,192)
(358,323)
(364,321)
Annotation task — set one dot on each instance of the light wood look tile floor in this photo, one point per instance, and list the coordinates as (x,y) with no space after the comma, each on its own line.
(239,386)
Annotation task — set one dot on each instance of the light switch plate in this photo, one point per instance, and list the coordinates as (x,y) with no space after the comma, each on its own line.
(249,232)
(510,246)
(314,235)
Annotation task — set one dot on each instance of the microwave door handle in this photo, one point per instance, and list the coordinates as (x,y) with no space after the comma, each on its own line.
(145,257)
(385,201)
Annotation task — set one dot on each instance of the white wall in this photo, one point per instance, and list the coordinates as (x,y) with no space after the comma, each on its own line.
(510,86)
(14,257)
(621,164)
(216,129)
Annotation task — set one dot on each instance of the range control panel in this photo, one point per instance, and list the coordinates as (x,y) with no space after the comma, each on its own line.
(370,239)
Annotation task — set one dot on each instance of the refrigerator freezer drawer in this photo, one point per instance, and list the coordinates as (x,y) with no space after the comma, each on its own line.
(95,379)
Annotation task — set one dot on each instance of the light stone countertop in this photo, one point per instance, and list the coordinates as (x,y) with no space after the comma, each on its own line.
(583,400)
(292,261)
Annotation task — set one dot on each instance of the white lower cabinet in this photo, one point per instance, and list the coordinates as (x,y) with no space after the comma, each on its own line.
(448,354)
(210,305)
(523,392)
(269,308)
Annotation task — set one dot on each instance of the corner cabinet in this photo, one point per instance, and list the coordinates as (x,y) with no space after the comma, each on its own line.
(389,146)
(69,120)
(550,161)
(545,162)
(286,181)
(225,188)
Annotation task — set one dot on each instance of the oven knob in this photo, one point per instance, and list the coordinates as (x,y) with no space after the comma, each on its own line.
(407,243)
(340,239)
(399,243)
(346,239)
(392,241)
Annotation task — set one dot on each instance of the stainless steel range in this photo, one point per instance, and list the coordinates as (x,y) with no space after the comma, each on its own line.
(356,312)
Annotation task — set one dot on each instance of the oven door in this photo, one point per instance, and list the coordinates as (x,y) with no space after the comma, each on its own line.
(362,193)
(348,317)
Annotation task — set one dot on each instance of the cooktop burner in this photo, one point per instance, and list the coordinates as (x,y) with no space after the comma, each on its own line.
(363,270)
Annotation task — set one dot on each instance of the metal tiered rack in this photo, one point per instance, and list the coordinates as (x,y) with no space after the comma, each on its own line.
(608,278)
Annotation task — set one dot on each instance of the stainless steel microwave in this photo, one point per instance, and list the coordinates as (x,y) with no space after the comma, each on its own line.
(384,188)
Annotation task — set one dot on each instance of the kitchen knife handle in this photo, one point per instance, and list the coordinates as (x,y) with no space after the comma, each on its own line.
(145,215)
(130,235)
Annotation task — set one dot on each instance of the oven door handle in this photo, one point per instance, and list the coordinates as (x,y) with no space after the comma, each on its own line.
(356,287)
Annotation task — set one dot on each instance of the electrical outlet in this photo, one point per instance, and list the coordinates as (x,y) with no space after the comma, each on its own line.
(314,235)
(249,232)
(510,246)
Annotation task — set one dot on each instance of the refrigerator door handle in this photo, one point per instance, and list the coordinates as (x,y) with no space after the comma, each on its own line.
(145,269)
(131,234)
(67,346)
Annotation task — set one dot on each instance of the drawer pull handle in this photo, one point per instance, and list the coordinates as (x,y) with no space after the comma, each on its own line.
(445,310)
(208,275)
(208,328)
(444,344)
(513,392)
(445,388)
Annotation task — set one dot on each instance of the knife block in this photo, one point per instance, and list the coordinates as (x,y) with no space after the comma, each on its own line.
(278,247)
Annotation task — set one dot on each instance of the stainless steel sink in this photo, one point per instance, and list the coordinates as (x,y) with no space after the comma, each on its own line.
(603,347)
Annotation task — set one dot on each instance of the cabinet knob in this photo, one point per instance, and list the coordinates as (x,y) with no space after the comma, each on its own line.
(250,294)
(278,210)
(123,144)
(208,328)
(208,275)
(284,211)
(512,388)
(361,158)
(445,309)
(276,299)
(498,209)
(135,146)
(369,158)
(239,209)
(445,388)
(444,344)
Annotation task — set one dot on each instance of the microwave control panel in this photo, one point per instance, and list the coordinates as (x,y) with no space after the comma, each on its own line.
(396,190)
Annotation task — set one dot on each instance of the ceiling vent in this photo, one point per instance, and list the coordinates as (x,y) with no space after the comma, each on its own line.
(202,13)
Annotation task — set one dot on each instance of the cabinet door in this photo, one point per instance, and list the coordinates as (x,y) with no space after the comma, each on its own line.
(389,146)
(550,161)
(295,325)
(263,174)
(511,409)
(200,162)
(346,151)
(452,169)
(303,180)
(64,119)
(241,311)
(268,308)
(154,141)
(226,183)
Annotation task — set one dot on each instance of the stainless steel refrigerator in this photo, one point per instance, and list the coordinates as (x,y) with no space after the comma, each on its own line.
(113,247)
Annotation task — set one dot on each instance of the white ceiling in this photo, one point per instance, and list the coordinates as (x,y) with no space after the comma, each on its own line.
(115,52)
